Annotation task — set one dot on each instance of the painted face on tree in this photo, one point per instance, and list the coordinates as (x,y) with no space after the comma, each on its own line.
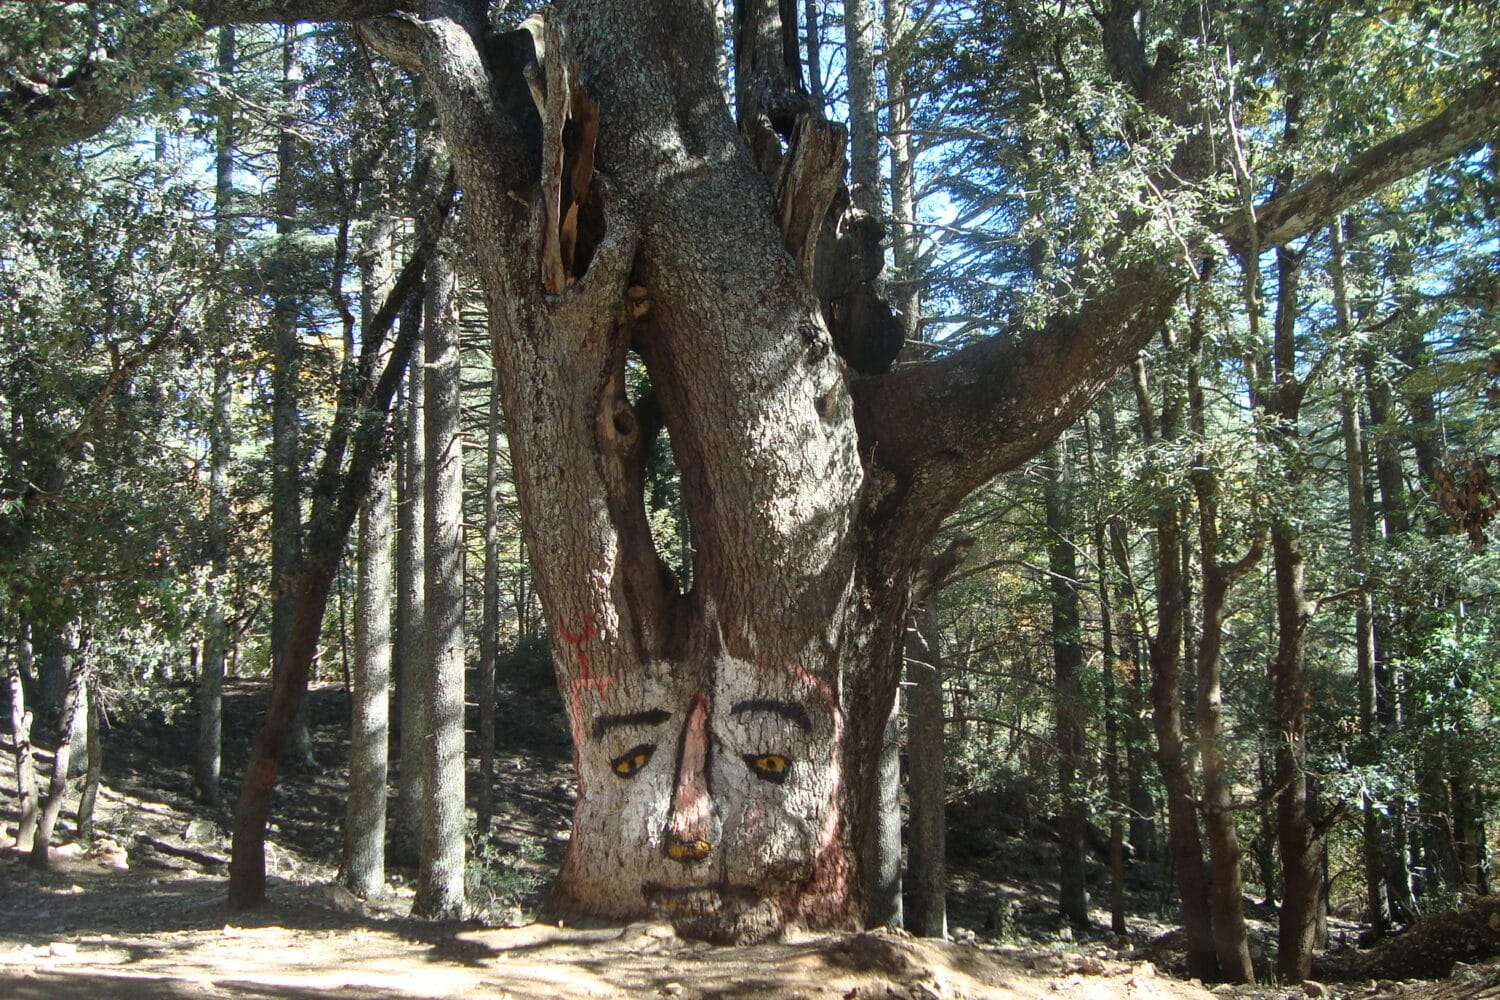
(720,795)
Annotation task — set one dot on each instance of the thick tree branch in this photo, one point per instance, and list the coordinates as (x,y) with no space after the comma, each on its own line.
(1470,118)
(993,405)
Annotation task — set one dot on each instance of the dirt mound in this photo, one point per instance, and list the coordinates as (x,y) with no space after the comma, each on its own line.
(1430,949)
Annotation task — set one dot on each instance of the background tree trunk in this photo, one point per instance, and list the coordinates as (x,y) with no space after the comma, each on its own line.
(411,605)
(94,752)
(210,698)
(489,637)
(1184,843)
(926,885)
(1067,665)
(440,878)
(1376,905)
(27,795)
(363,870)
(1299,841)
(75,699)
(286,457)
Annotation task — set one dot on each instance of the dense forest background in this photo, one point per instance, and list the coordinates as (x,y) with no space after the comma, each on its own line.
(1247,605)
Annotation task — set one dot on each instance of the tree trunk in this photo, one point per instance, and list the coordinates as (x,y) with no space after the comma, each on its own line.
(411,603)
(286,475)
(1067,665)
(20,727)
(1231,945)
(489,629)
(926,884)
(906,286)
(75,699)
(1184,843)
(363,870)
(210,697)
(1299,842)
(1114,782)
(1376,906)
(440,877)
(94,751)
(1390,483)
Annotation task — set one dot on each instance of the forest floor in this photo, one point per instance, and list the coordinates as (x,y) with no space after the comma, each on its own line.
(142,912)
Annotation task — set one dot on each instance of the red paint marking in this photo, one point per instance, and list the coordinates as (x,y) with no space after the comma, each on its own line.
(577,639)
(265,773)
(586,680)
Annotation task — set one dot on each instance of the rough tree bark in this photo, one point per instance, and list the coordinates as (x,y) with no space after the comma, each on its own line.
(363,869)
(724,780)
(440,875)
(411,600)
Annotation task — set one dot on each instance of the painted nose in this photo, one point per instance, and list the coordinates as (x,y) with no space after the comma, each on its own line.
(690,831)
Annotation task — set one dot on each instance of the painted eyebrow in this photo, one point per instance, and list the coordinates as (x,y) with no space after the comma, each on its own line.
(787,710)
(649,717)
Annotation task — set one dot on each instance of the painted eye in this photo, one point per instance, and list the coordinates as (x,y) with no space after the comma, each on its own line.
(768,766)
(632,760)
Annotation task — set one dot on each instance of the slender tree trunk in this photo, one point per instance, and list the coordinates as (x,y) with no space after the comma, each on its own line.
(411,604)
(1231,944)
(864,99)
(1184,842)
(906,288)
(440,879)
(210,697)
(1114,783)
(882,861)
(814,55)
(489,637)
(27,797)
(1138,798)
(1389,720)
(926,885)
(1067,663)
(363,870)
(94,750)
(1376,906)
(1300,843)
(75,699)
(286,475)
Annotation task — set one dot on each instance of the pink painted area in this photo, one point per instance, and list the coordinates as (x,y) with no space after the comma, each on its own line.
(692,819)
(828,836)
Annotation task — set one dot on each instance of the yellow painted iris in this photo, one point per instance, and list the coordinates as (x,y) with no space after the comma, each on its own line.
(628,763)
(769,766)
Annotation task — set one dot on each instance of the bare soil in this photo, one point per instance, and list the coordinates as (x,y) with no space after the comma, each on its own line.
(141,913)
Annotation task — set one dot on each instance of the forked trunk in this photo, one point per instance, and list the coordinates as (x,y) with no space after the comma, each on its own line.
(722,736)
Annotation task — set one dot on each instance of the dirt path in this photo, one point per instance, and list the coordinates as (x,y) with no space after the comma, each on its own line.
(88,930)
